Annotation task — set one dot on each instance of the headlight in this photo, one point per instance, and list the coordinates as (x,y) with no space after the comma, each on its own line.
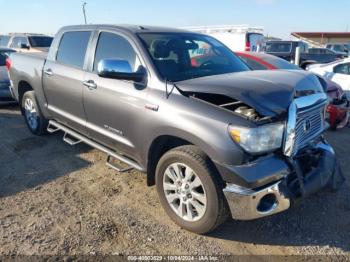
(259,139)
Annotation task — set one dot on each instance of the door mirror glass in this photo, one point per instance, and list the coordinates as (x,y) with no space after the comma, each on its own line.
(24,46)
(120,69)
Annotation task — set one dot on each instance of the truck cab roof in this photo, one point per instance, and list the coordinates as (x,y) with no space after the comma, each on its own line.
(134,29)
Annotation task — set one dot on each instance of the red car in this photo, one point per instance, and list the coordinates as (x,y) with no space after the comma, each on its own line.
(337,113)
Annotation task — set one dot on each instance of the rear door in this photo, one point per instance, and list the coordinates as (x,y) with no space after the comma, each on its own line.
(63,79)
(115,108)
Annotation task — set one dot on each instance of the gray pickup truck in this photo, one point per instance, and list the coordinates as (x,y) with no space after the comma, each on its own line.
(215,138)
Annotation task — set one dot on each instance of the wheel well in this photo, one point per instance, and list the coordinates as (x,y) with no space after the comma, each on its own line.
(159,147)
(23,87)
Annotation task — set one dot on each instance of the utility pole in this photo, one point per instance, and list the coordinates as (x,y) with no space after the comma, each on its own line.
(84,12)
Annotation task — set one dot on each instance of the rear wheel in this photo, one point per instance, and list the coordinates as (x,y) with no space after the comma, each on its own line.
(35,120)
(190,190)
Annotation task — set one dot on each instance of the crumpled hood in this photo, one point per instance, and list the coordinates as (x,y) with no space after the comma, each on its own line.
(268,92)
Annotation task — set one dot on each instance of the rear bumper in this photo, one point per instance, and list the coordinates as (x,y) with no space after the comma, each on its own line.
(252,203)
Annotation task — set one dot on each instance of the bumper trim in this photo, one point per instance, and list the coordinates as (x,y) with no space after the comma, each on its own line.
(245,203)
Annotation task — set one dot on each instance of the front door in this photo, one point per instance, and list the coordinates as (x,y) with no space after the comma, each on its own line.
(114,108)
(63,80)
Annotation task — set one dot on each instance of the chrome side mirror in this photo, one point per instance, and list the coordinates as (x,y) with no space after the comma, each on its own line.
(120,69)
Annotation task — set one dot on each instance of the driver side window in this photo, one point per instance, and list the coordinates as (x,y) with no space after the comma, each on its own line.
(342,69)
(113,46)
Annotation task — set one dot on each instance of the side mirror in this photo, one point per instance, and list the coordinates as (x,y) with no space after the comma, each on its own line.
(25,46)
(120,69)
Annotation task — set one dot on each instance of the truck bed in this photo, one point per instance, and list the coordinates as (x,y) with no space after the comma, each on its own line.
(26,68)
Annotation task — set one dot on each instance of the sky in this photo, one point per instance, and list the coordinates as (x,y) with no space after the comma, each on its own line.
(278,17)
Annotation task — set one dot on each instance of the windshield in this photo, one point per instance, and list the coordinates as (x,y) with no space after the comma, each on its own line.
(278,47)
(40,41)
(280,63)
(182,56)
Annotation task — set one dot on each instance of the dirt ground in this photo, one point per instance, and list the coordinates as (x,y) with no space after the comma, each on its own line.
(61,200)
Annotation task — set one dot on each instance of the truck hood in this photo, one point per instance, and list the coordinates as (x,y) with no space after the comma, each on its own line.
(268,92)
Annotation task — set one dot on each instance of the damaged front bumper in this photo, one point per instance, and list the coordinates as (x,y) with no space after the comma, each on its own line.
(309,172)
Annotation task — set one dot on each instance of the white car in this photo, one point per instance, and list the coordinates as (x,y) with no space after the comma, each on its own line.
(338,72)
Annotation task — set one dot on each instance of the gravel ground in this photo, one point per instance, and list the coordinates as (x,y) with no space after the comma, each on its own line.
(62,200)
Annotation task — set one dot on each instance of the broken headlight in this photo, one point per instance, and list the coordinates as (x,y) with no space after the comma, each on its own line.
(258,139)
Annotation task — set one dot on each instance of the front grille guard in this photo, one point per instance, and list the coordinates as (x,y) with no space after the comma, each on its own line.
(304,103)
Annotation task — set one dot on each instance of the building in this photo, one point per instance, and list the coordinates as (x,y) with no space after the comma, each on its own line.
(319,39)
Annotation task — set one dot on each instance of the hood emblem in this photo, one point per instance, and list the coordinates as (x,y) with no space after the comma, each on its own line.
(307,126)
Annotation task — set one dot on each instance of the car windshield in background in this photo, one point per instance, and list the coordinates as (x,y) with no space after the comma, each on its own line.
(281,63)
(40,41)
(3,56)
(182,56)
(279,47)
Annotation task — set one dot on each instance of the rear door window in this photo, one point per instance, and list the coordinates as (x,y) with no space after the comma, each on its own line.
(279,47)
(40,41)
(72,48)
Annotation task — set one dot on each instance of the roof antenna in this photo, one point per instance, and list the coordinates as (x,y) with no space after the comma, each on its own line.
(141,27)
(84,12)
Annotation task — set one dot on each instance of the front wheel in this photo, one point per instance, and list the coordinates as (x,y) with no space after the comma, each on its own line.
(190,190)
(35,120)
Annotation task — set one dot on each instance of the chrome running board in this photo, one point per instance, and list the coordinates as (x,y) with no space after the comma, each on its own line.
(73,138)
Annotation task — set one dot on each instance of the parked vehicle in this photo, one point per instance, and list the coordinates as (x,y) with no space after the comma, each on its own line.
(262,61)
(30,42)
(324,51)
(338,107)
(213,138)
(287,50)
(341,49)
(237,38)
(4,40)
(338,72)
(5,94)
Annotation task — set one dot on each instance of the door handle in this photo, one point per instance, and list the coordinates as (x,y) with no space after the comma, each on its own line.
(90,84)
(48,72)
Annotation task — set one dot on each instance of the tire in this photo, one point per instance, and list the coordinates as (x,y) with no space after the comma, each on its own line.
(193,218)
(33,117)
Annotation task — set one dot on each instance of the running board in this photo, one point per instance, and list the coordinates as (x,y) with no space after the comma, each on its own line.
(116,166)
(73,138)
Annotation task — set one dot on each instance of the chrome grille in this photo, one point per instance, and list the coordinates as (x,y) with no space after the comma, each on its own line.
(305,122)
(309,125)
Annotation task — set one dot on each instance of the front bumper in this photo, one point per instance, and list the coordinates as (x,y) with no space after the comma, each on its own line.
(309,172)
